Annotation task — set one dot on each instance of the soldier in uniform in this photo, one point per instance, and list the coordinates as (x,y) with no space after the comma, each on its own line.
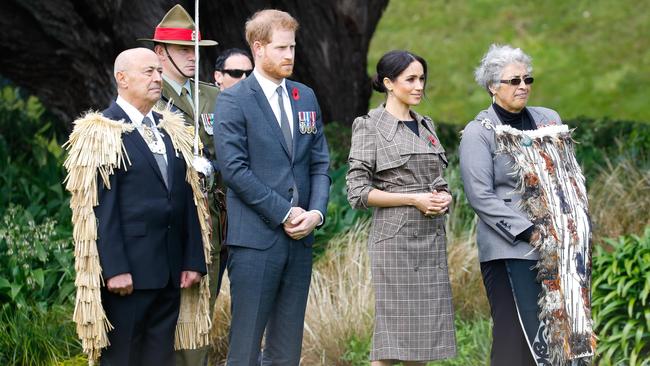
(174,45)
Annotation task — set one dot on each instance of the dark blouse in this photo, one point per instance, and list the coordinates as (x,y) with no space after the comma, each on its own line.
(413,126)
(521,120)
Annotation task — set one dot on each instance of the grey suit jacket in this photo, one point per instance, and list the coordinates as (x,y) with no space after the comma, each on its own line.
(491,188)
(258,168)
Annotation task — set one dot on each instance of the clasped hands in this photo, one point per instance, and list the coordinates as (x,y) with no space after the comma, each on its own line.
(433,203)
(300,223)
(122,284)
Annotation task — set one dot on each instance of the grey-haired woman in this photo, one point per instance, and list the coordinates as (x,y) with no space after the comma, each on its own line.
(504,230)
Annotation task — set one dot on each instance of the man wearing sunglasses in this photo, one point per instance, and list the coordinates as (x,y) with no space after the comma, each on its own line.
(174,46)
(232,66)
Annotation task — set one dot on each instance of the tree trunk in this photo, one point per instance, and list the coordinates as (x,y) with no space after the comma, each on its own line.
(62,51)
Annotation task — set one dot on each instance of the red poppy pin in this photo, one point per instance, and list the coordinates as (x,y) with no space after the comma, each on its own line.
(432,140)
(295,94)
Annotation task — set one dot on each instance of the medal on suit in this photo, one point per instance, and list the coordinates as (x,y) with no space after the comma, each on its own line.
(302,122)
(157,146)
(208,122)
(307,122)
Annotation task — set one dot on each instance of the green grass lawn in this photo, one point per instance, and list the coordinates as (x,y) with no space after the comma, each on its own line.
(590,58)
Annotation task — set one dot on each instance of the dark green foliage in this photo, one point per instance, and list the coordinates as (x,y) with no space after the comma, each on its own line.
(621,300)
(36,264)
(31,159)
(340,216)
(37,268)
(36,291)
(604,139)
(339,138)
(358,350)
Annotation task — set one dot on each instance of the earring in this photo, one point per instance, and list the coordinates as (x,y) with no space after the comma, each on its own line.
(493,99)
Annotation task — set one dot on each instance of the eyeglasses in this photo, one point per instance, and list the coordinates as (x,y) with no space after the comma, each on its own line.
(517,81)
(237,73)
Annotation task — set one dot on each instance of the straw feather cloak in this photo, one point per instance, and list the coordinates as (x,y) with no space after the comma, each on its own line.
(555,198)
(95,150)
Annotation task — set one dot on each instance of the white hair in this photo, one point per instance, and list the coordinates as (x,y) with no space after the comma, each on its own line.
(488,73)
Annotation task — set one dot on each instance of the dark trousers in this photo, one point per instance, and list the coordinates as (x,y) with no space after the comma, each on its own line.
(269,291)
(509,345)
(144,324)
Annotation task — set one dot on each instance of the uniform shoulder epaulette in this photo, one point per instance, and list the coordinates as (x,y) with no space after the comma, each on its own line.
(206,84)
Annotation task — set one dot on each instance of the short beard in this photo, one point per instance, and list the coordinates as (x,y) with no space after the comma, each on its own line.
(275,71)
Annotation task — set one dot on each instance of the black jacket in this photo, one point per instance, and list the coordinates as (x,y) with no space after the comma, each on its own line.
(145,228)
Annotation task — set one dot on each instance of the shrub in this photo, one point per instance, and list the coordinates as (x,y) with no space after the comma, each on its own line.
(32,336)
(621,306)
(602,140)
(461,222)
(619,199)
(37,268)
(340,215)
(31,159)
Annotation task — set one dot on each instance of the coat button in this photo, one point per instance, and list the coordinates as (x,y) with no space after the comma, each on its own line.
(416,268)
(415,234)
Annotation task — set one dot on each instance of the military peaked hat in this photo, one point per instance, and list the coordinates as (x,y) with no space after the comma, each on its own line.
(177,27)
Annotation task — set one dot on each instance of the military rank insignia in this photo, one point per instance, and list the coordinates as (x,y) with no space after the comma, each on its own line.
(307,122)
(208,122)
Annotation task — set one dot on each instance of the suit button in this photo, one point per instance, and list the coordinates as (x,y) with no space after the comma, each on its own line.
(415,234)
(169,227)
(416,268)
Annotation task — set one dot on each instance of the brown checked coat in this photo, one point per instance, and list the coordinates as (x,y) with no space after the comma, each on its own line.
(414,317)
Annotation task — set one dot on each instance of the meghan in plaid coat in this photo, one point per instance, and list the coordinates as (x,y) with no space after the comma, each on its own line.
(399,170)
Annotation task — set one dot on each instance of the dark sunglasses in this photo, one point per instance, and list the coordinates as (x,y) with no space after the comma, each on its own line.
(516,81)
(236,73)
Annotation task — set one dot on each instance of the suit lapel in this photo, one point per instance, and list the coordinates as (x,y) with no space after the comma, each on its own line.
(137,140)
(294,111)
(268,113)
(539,119)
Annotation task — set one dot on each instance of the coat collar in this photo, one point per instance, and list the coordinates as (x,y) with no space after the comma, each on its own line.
(115,112)
(387,124)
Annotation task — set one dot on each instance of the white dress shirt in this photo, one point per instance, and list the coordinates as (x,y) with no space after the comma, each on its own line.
(136,118)
(269,88)
(270,91)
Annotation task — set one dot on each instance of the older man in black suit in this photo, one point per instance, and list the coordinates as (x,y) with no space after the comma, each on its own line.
(149,239)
